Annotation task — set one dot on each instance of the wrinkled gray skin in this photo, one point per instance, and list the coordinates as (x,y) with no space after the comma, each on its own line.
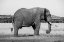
(31,17)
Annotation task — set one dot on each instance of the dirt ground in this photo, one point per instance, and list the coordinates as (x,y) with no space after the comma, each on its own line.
(30,38)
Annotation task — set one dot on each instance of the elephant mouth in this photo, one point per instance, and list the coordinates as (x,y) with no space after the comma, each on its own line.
(42,19)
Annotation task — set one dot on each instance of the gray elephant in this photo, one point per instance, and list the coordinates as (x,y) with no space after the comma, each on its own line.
(31,17)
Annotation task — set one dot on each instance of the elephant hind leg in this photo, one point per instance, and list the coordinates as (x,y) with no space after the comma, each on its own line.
(15,31)
(16,27)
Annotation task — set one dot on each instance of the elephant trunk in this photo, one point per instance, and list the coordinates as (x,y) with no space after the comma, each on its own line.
(49,19)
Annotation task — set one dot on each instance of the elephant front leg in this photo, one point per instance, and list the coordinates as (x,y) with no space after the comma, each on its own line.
(49,28)
(37,24)
(36,30)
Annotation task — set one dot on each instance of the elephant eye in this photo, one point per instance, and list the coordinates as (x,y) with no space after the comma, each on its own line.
(48,15)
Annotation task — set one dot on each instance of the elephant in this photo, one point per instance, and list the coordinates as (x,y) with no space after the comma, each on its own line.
(24,17)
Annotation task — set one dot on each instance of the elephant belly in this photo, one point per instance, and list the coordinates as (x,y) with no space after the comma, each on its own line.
(27,24)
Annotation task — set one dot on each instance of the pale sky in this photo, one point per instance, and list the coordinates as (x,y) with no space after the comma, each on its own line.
(8,7)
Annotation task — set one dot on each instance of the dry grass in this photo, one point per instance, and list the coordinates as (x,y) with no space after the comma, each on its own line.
(57,34)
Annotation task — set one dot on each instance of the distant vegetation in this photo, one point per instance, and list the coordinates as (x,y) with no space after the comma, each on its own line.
(8,19)
(5,18)
(57,19)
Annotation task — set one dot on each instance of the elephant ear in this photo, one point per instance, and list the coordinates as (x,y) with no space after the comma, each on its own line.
(46,14)
(45,17)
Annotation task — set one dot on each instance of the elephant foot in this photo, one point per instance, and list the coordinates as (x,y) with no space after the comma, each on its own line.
(16,36)
(36,33)
(48,31)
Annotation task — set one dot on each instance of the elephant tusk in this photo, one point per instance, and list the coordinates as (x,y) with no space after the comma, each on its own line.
(50,23)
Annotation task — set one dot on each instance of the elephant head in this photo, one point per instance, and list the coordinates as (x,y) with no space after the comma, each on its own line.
(46,16)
